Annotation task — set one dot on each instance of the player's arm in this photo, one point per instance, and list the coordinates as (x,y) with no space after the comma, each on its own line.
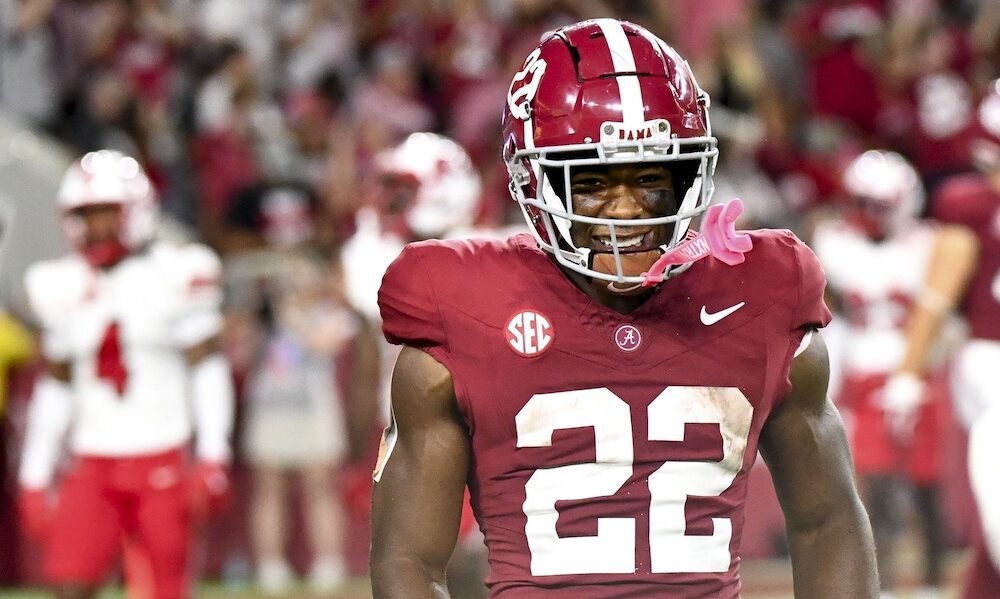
(196,332)
(212,405)
(953,261)
(212,399)
(806,450)
(420,481)
(49,415)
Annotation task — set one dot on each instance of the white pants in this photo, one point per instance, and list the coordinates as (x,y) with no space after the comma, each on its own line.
(976,387)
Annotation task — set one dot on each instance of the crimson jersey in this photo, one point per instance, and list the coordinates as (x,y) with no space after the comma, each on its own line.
(968,200)
(610,452)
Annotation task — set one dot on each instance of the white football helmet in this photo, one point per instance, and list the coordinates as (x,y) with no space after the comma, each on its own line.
(108,177)
(439,189)
(886,191)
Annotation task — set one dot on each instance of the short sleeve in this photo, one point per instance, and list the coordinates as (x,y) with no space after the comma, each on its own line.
(199,317)
(811,311)
(46,298)
(957,201)
(408,304)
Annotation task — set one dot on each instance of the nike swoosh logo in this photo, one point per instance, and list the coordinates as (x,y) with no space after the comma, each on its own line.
(710,319)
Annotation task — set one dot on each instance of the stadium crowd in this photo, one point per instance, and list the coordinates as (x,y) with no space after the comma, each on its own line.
(263,126)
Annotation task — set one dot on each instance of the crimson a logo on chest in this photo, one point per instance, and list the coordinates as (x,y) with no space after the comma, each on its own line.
(529,333)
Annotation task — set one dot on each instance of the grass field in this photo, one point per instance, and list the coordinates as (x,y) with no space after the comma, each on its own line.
(762,579)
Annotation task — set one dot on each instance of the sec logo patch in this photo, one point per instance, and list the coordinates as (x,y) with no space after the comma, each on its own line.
(529,333)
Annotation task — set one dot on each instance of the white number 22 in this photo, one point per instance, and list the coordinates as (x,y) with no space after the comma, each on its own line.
(612,550)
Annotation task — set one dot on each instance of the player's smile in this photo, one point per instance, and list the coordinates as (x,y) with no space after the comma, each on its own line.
(627,240)
(626,191)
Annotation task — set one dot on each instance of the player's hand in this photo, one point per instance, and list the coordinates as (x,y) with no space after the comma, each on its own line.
(209,489)
(901,399)
(35,513)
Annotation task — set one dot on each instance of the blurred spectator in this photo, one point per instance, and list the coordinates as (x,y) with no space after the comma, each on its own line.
(27,77)
(223,153)
(309,116)
(933,66)
(231,70)
(108,116)
(271,216)
(250,24)
(296,425)
(138,39)
(738,175)
(16,348)
(835,36)
(317,38)
(388,106)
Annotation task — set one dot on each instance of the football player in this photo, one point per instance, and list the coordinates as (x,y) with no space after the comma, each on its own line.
(424,188)
(973,201)
(894,277)
(129,332)
(603,385)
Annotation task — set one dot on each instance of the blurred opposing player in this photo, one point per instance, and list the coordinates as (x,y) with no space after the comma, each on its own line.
(603,385)
(885,268)
(129,333)
(424,188)
(973,201)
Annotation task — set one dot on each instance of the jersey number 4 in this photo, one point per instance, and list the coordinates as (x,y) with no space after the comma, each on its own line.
(110,365)
(613,548)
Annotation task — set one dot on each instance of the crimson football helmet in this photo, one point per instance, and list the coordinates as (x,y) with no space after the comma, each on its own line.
(107,177)
(885,191)
(604,92)
(429,187)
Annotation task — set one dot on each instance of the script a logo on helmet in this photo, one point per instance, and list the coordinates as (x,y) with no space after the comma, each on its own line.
(529,333)
(519,100)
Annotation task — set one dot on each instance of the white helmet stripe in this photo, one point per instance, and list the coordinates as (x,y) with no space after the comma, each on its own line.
(633,110)
(529,134)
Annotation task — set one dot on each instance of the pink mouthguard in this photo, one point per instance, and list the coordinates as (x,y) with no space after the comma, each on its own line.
(718,238)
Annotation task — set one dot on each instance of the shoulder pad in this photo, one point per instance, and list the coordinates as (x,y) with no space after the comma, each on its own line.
(52,286)
(189,265)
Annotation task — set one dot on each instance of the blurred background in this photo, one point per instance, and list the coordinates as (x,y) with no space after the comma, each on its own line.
(262,124)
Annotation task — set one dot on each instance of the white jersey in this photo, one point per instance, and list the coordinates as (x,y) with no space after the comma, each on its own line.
(124,331)
(365,257)
(368,253)
(877,283)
